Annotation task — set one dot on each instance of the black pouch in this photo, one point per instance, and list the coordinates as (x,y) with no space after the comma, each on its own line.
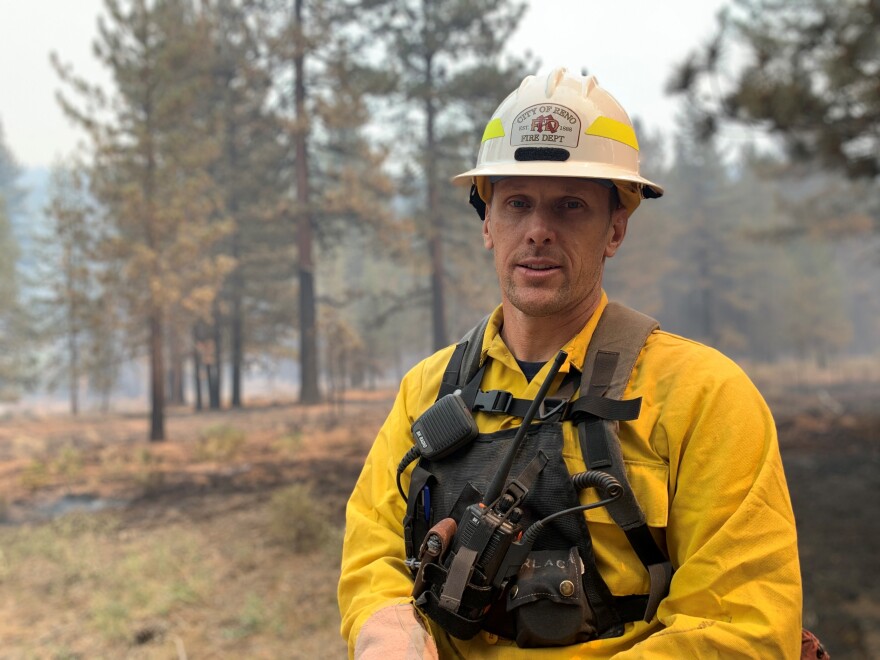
(417,520)
(466,622)
(548,601)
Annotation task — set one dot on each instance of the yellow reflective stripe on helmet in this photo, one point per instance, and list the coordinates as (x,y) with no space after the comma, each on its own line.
(611,129)
(494,129)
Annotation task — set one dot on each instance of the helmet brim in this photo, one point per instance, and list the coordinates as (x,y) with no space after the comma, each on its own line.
(576,170)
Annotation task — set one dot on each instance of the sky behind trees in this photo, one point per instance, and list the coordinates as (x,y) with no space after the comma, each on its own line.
(222,208)
(630,45)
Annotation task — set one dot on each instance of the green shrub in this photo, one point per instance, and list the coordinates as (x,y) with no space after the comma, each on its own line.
(289,444)
(253,618)
(111,617)
(69,462)
(148,472)
(220,443)
(35,475)
(297,521)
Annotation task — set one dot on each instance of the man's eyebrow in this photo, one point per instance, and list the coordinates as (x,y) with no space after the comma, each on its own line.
(572,188)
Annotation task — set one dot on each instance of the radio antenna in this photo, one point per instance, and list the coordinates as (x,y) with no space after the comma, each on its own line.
(493,492)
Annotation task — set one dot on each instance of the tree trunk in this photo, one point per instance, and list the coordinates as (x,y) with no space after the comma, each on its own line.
(435,219)
(157,378)
(197,377)
(201,359)
(73,348)
(236,327)
(236,348)
(236,321)
(156,320)
(309,391)
(215,383)
(175,370)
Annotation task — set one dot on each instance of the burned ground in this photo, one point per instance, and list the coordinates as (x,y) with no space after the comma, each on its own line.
(205,493)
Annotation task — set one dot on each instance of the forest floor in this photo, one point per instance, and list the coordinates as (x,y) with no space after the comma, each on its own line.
(114,547)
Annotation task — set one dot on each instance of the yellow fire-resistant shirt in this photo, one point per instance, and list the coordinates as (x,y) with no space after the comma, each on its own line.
(704,463)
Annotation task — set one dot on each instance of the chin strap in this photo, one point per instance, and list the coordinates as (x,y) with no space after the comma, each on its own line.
(477,202)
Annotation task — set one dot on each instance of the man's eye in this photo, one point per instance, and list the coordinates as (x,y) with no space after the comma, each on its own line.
(517,203)
(572,204)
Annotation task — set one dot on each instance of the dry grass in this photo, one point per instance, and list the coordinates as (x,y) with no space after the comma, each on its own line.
(229,546)
(210,560)
(216,585)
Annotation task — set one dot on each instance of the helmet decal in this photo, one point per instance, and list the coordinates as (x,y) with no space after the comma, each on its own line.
(494,129)
(546,124)
(613,130)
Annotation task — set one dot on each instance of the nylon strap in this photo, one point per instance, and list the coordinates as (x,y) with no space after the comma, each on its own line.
(661,577)
(519,487)
(611,356)
(645,546)
(604,407)
(458,578)
(658,566)
(450,377)
(616,343)
(474,351)
(465,360)
(593,433)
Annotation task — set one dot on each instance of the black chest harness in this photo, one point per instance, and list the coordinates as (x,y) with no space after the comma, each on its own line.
(515,567)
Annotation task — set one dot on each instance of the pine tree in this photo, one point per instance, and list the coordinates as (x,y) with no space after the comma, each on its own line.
(706,249)
(16,362)
(293,50)
(249,173)
(64,297)
(11,330)
(149,173)
(321,56)
(447,56)
(808,74)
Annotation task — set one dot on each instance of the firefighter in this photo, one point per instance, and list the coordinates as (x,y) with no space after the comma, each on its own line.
(556,180)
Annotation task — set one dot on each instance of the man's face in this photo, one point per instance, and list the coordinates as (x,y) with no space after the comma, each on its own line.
(550,237)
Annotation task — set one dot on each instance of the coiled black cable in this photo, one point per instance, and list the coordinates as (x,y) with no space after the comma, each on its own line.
(601,481)
(408,458)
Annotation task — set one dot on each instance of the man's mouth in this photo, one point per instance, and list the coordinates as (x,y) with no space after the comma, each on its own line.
(538,266)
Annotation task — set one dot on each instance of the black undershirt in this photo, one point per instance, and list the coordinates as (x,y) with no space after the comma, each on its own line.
(530,369)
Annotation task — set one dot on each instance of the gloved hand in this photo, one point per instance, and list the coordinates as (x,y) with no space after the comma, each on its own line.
(395,633)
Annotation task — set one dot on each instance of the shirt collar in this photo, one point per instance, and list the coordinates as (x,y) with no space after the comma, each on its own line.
(576,347)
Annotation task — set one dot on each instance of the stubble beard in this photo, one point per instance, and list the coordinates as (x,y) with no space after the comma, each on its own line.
(547,303)
(543,302)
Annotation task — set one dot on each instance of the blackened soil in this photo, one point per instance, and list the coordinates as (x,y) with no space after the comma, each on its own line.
(830,442)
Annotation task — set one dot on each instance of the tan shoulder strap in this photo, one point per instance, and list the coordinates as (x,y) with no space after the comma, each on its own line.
(622,332)
(611,356)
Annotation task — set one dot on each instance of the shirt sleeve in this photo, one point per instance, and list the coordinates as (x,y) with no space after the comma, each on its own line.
(731,536)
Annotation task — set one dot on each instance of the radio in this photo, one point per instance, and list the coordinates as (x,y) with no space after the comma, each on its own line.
(455,587)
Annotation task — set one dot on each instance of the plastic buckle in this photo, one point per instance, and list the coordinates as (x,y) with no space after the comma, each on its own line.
(550,407)
(517,490)
(493,401)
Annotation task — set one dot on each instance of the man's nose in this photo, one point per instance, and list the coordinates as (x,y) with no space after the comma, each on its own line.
(540,228)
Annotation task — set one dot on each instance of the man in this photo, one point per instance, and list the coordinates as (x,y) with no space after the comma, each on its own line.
(558,175)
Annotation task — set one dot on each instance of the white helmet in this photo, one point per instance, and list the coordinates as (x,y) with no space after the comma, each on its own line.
(564,125)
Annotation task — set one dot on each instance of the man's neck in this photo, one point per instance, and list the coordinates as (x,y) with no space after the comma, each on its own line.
(538,339)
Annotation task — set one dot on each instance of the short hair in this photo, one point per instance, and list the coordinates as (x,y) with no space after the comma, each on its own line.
(614,199)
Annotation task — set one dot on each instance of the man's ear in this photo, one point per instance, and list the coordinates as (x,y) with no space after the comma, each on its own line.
(617,230)
(487,233)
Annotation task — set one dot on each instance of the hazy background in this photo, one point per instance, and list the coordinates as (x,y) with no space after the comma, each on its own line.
(632,57)
(747,233)
(227,230)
